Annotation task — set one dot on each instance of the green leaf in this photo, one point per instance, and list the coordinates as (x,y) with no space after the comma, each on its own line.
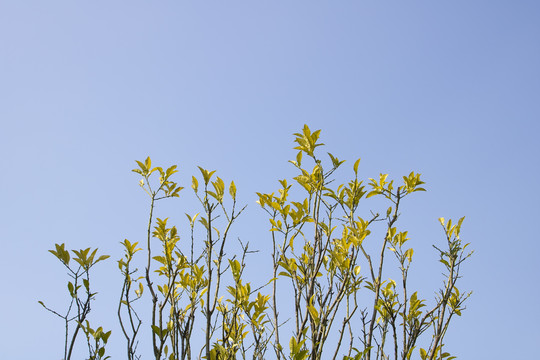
(301,355)
(157,331)
(71,289)
(293,345)
(61,253)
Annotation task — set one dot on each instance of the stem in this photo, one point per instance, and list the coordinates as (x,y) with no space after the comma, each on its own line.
(379,276)
(209,311)
(274,295)
(148,281)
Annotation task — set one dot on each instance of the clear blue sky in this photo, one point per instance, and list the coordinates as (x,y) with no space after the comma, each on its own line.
(450,89)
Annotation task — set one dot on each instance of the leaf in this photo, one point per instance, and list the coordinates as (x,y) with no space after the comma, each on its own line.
(143,168)
(293,345)
(194,183)
(301,355)
(90,260)
(372,193)
(299,158)
(355,167)
(203,221)
(192,219)
(207,175)
(291,242)
(171,170)
(460,221)
(312,311)
(307,142)
(156,330)
(148,163)
(71,289)
(409,253)
(232,190)
(61,254)
(275,205)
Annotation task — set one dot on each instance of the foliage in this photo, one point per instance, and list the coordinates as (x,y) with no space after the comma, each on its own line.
(80,301)
(321,254)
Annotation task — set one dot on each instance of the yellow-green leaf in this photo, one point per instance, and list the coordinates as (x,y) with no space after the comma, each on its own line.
(355,167)
(232,190)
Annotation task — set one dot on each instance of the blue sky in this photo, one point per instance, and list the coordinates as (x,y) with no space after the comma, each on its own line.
(449,89)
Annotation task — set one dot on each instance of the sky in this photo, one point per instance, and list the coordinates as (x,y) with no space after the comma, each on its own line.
(449,89)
